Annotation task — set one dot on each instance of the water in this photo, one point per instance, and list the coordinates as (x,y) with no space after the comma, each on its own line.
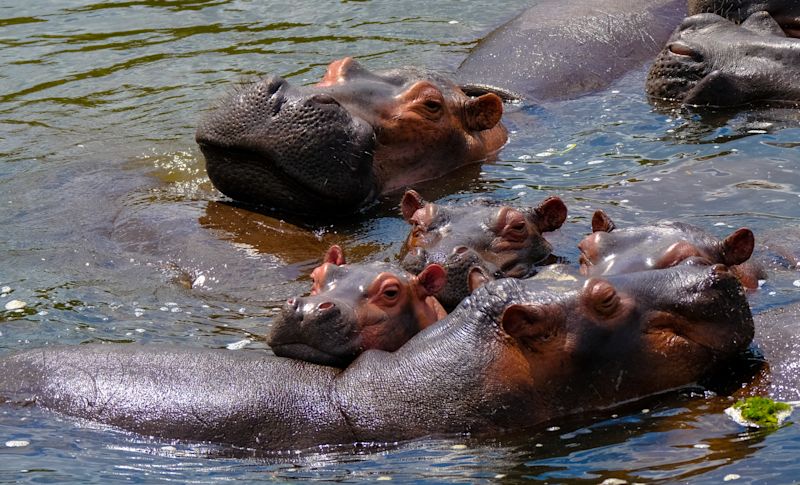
(112,233)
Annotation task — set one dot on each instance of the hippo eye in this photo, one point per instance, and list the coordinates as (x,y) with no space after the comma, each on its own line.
(433,105)
(391,292)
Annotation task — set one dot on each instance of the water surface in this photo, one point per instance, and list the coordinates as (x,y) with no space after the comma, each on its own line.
(111,231)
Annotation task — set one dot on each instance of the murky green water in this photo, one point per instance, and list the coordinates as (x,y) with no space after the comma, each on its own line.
(110,231)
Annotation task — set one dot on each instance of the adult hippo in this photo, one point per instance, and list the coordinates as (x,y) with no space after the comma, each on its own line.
(557,49)
(334,147)
(711,61)
(785,12)
(514,354)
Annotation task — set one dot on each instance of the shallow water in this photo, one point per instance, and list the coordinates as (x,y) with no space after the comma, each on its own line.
(111,231)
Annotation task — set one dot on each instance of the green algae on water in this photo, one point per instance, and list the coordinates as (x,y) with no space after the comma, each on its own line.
(759,412)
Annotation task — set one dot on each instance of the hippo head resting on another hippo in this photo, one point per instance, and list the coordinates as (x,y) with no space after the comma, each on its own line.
(335,146)
(477,242)
(711,61)
(785,12)
(353,308)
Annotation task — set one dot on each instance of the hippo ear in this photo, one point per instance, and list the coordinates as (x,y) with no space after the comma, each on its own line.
(762,23)
(335,255)
(410,204)
(601,222)
(737,248)
(532,324)
(550,214)
(431,280)
(484,112)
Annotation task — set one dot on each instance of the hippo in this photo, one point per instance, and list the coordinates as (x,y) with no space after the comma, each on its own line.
(514,354)
(661,245)
(558,50)
(477,242)
(785,12)
(353,308)
(334,147)
(711,61)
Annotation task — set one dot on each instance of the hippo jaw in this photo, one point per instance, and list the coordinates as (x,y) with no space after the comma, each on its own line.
(270,144)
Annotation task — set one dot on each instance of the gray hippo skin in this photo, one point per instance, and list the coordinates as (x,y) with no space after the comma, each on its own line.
(334,147)
(516,353)
(557,50)
(710,61)
(785,12)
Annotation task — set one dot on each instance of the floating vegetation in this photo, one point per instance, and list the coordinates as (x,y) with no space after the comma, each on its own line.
(759,412)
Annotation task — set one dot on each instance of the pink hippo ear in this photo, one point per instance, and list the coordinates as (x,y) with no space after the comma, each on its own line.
(431,280)
(533,323)
(483,112)
(550,214)
(335,255)
(737,248)
(601,222)
(411,203)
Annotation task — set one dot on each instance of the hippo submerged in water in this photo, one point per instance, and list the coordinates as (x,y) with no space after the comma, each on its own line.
(336,146)
(712,61)
(514,354)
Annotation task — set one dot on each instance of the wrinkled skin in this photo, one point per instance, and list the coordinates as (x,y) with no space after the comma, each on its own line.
(334,147)
(558,50)
(516,353)
(785,12)
(477,242)
(710,61)
(353,308)
(609,251)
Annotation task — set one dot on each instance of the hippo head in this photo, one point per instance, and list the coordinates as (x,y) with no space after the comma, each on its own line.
(617,337)
(337,145)
(785,12)
(477,242)
(657,246)
(710,61)
(353,308)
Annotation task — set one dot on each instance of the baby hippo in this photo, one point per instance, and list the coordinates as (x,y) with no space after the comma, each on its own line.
(659,246)
(353,308)
(477,242)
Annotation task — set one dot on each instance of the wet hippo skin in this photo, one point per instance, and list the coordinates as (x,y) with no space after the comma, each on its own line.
(515,353)
(711,61)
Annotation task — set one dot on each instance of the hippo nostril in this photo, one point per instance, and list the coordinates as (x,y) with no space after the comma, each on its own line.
(681,49)
(460,250)
(273,84)
(323,98)
(324,306)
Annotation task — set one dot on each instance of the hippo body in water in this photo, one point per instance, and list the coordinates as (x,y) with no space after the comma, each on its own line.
(557,50)
(514,354)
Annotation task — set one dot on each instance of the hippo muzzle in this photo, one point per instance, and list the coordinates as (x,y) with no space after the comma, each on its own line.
(294,149)
(323,317)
